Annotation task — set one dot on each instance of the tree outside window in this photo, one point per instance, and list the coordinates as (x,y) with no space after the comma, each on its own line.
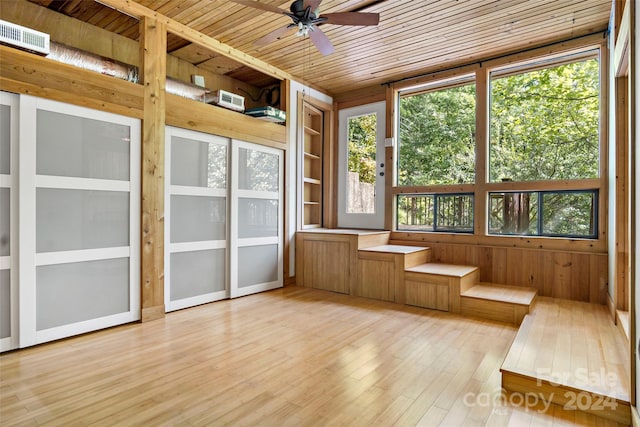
(437,137)
(544,128)
(544,124)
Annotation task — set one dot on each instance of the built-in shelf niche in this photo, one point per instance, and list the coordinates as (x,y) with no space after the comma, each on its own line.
(312,165)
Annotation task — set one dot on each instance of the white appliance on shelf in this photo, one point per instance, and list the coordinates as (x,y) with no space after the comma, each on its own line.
(24,38)
(225,99)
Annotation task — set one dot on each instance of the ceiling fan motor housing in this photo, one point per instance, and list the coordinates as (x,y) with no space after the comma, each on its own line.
(304,15)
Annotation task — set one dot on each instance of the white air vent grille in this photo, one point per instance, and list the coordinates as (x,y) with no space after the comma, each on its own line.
(225,99)
(24,38)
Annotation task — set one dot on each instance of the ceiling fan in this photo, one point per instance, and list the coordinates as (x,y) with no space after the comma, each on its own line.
(306,18)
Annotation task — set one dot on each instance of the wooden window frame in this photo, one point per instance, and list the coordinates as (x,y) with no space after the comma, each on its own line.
(482,186)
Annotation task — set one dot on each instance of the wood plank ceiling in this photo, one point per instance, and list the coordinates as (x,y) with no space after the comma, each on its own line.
(414,36)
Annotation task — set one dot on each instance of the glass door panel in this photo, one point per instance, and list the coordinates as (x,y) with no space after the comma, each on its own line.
(361,168)
(195,218)
(80,216)
(361,164)
(257,219)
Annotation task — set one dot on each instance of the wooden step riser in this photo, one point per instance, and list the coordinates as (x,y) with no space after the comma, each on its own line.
(533,389)
(466,282)
(410,260)
(469,281)
(369,240)
(493,310)
(380,274)
(437,289)
(417,258)
(427,295)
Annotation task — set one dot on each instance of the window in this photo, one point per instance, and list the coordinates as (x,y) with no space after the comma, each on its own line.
(544,213)
(435,212)
(361,164)
(436,141)
(544,122)
(540,174)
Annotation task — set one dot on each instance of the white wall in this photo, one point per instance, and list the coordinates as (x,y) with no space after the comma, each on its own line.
(292,162)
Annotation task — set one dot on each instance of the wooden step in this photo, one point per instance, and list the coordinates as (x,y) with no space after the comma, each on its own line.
(380,270)
(438,286)
(569,353)
(443,269)
(497,302)
(413,255)
(503,293)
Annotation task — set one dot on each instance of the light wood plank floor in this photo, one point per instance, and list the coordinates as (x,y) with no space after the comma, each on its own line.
(293,356)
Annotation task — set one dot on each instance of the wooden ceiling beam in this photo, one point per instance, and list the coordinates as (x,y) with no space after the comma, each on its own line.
(132,8)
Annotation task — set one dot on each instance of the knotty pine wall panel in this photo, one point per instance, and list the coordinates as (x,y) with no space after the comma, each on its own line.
(558,274)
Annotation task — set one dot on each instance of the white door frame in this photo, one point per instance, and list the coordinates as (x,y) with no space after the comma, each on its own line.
(29,259)
(360,220)
(171,248)
(10,182)
(235,241)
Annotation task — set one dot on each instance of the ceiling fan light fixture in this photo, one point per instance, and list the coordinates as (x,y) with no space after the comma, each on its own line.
(303,29)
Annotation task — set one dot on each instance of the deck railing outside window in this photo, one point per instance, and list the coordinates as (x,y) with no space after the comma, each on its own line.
(435,212)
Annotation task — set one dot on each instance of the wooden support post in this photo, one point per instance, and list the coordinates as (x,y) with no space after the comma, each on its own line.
(153,48)
(480,197)
(389,159)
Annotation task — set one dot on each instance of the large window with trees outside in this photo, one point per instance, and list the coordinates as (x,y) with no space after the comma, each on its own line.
(436,146)
(436,141)
(538,172)
(544,126)
(544,123)
(544,213)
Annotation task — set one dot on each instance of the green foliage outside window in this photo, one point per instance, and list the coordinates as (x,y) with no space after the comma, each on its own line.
(362,147)
(437,137)
(544,124)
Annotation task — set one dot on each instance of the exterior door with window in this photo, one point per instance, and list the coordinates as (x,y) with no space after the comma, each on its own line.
(361,167)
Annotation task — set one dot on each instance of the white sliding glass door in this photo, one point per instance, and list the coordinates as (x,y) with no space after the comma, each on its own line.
(195,218)
(224,220)
(79,220)
(8,217)
(256,212)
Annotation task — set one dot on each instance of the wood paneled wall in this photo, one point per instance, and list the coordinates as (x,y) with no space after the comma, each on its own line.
(559,274)
(21,72)
(98,41)
(25,73)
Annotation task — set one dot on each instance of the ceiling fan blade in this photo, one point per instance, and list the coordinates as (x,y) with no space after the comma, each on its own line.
(321,41)
(272,36)
(314,4)
(352,18)
(261,6)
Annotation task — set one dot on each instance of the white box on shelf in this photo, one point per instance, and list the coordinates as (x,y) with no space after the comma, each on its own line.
(225,99)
